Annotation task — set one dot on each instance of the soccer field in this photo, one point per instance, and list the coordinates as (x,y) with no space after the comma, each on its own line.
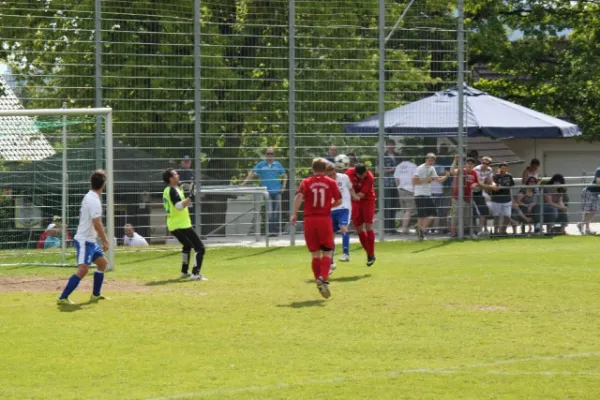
(507,319)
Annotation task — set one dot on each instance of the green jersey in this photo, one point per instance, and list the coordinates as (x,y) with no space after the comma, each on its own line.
(176,219)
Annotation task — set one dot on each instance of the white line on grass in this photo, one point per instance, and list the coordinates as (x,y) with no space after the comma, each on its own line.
(451,370)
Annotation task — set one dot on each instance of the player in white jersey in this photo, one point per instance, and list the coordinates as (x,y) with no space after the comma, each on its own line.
(340,216)
(88,251)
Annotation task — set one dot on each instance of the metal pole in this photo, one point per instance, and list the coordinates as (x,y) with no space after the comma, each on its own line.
(65,176)
(110,191)
(292,112)
(98,88)
(381,132)
(197,118)
(461,109)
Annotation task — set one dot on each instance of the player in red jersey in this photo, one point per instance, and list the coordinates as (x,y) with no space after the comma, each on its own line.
(320,194)
(363,208)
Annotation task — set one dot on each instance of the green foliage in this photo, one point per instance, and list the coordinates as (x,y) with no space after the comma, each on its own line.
(553,67)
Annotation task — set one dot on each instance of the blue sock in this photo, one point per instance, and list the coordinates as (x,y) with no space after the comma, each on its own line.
(98,279)
(71,285)
(346,242)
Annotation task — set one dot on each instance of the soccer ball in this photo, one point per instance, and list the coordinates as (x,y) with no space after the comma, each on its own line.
(342,161)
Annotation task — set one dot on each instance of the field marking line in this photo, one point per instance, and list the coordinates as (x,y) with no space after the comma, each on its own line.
(451,370)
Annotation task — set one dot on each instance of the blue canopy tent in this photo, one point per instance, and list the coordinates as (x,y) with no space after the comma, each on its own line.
(485,115)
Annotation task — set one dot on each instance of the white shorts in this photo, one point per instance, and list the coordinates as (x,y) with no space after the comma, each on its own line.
(501,209)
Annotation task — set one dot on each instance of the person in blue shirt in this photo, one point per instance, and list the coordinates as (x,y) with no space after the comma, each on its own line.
(272,175)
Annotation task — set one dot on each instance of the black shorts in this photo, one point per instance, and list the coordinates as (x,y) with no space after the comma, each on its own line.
(189,239)
(479,204)
(425,206)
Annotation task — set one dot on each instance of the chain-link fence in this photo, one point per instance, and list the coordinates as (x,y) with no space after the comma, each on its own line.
(239,95)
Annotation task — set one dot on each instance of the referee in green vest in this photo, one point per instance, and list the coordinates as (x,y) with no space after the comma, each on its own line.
(180,224)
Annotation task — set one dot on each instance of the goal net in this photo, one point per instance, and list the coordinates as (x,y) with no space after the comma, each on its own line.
(46,158)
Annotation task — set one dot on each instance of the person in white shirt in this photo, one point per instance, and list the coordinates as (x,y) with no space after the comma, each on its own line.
(88,251)
(485,173)
(340,216)
(404,182)
(422,178)
(132,238)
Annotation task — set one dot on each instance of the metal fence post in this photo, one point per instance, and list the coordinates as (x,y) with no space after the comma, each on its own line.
(291,111)
(98,83)
(461,105)
(65,196)
(381,131)
(197,119)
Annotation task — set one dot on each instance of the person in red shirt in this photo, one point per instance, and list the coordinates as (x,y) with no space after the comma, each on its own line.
(363,208)
(320,194)
(471,181)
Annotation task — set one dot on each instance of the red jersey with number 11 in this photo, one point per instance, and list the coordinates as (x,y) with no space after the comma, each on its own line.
(319,193)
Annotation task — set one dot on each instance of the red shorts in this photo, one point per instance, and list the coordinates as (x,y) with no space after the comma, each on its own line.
(318,233)
(363,213)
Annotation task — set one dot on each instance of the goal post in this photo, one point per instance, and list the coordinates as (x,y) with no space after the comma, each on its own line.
(105,112)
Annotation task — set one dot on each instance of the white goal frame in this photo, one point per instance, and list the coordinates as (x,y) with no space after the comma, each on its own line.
(105,112)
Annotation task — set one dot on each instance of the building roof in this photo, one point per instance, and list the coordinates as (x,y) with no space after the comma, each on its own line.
(20,138)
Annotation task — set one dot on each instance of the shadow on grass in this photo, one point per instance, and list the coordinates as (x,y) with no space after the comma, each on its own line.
(436,246)
(269,250)
(303,304)
(167,254)
(343,279)
(74,307)
(167,282)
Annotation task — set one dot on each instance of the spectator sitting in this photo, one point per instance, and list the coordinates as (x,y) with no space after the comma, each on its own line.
(532,171)
(53,238)
(132,238)
(523,204)
(55,224)
(554,210)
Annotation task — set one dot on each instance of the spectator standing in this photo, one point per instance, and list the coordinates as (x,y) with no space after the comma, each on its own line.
(471,181)
(331,153)
(272,175)
(403,174)
(485,174)
(186,174)
(390,197)
(186,177)
(353,159)
(533,170)
(422,178)
(502,199)
(443,163)
(132,238)
(590,204)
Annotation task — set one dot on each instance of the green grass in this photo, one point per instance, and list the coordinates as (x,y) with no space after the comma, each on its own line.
(510,319)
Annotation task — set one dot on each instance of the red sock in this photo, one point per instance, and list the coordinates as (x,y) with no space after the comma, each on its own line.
(364,240)
(316,267)
(325,267)
(371,236)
